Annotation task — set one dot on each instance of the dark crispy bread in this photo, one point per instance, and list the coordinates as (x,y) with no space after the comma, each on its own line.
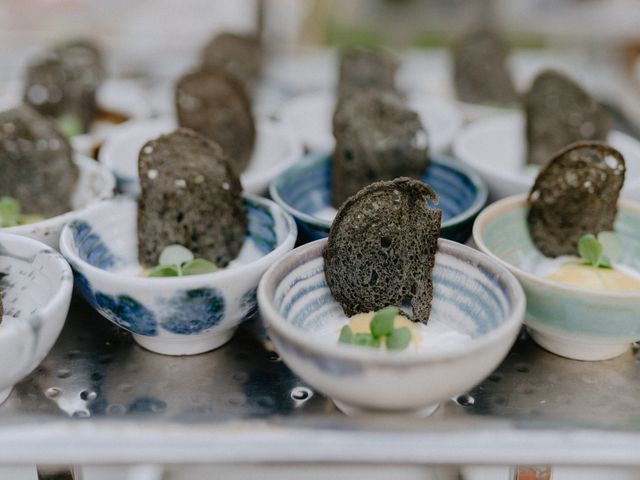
(480,69)
(215,104)
(37,163)
(240,54)
(575,194)
(558,113)
(381,249)
(189,196)
(377,138)
(365,69)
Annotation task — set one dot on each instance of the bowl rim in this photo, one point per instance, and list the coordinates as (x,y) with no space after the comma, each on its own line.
(63,284)
(86,164)
(514,119)
(268,127)
(482,191)
(515,202)
(298,256)
(69,251)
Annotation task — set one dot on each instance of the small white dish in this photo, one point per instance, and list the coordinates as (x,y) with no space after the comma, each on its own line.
(95,183)
(171,315)
(495,148)
(276,149)
(36,285)
(310,116)
(478,308)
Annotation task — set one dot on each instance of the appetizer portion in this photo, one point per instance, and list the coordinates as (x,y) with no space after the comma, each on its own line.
(366,69)
(38,172)
(480,69)
(216,105)
(239,54)
(190,196)
(572,209)
(377,138)
(381,249)
(560,112)
(62,84)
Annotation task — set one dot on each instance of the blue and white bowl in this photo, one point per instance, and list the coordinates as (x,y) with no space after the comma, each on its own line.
(36,285)
(474,296)
(171,315)
(304,190)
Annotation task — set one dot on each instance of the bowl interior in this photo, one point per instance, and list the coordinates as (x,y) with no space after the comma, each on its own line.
(310,116)
(471,297)
(95,182)
(506,235)
(305,189)
(106,237)
(496,147)
(275,149)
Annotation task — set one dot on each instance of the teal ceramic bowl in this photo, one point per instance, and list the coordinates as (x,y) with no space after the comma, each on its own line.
(574,322)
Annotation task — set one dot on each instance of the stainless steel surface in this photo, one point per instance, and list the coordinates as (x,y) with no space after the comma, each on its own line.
(98,397)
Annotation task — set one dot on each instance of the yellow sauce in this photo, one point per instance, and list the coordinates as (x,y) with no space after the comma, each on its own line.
(360,322)
(586,276)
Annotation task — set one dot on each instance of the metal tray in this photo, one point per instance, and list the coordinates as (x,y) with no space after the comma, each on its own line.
(100,398)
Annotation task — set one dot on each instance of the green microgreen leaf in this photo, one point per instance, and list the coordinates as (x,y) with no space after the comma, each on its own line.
(175,255)
(365,340)
(164,271)
(590,250)
(345,335)
(382,322)
(69,125)
(198,266)
(9,212)
(612,246)
(27,218)
(399,339)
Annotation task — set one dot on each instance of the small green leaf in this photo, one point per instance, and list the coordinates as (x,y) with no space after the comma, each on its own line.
(345,335)
(198,266)
(612,246)
(365,340)
(175,255)
(9,211)
(69,125)
(590,250)
(27,218)
(399,339)
(382,322)
(164,271)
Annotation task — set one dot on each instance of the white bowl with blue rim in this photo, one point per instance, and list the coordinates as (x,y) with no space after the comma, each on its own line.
(36,285)
(310,116)
(276,148)
(304,190)
(95,183)
(171,315)
(496,148)
(474,296)
(570,321)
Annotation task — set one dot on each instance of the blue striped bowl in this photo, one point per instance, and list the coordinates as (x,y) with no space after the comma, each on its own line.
(473,294)
(171,315)
(578,323)
(304,189)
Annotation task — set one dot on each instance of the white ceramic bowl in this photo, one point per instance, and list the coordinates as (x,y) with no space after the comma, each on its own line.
(495,147)
(473,295)
(171,315)
(94,184)
(310,116)
(275,150)
(36,285)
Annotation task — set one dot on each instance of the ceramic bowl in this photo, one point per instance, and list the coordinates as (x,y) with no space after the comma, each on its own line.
(94,184)
(473,295)
(171,315)
(304,190)
(573,322)
(310,115)
(495,147)
(36,285)
(276,149)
